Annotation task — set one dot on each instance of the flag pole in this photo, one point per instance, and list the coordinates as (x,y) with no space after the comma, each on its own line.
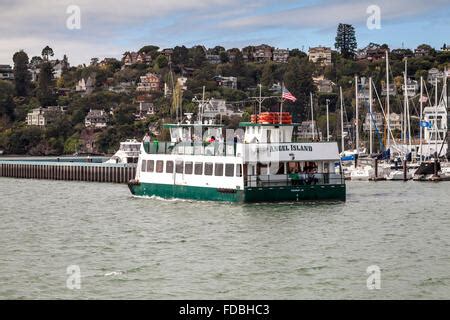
(282,101)
(312,117)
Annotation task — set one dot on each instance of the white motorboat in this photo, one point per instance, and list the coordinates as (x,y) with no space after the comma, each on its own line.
(127,153)
(362,173)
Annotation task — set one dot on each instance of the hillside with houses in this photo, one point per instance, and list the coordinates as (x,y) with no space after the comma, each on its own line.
(48,107)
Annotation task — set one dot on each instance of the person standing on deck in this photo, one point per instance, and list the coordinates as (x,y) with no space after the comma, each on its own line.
(147,141)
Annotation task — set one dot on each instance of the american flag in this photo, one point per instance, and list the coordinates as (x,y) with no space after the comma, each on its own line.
(287,95)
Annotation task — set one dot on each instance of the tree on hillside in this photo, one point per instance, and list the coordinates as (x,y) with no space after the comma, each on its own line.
(22,77)
(44,89)
(298,80)
(346,40)
(197,55)
(47,52)
(297,53)
(162,61)
(35,62)
(6,100)
(180,55)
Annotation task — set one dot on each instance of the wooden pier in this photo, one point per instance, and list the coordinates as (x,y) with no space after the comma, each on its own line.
(89,172)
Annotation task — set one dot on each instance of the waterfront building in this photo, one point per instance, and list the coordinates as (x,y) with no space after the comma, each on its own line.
(218,107)
(305,131)
(392,90)
(86,86)
(44,116)
(373,52)
(227,82)
(96,119)
(131,58)
(435,74)
(6,72)
(263,53)
(150,82)
(281,55)
(321,55)
(377,120)
(411,87)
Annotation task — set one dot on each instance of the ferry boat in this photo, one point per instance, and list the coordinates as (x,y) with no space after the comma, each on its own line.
(260,162)
(128,152)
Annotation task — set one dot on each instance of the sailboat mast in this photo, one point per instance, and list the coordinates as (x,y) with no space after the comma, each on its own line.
(282,102)
(357,115)
(388,107)
(435,117)
(405,101)
(421,119)
(342,120)
(370,112)
(312,117)
(408,118)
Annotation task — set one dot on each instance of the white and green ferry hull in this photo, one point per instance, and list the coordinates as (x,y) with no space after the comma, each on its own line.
(248,195)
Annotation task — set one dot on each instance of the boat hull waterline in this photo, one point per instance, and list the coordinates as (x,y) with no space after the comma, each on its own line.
(248,195)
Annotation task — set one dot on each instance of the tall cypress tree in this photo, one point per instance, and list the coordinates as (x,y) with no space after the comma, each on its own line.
(22,77)
(45,88)
(346,40)
(299,81)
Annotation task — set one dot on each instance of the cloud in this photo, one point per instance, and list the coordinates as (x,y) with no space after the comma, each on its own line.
(330,13)
(110,27)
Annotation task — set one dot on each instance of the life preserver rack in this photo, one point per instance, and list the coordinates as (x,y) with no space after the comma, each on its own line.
(272,118)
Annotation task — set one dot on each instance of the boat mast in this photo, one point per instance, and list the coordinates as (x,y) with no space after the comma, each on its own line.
(342,121)
(370,112)
(202,108)
(328,121)
(388,108)
(312,117)
(260,98)
(435,117)
(357,115)
(282,101)
(421,119)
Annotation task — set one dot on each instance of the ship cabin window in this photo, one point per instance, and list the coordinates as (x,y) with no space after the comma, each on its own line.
(169,167)
(198,169)
(150,165)
(229,170)
(179,167)
(209,169)
(188,167)
(239,170)
(159,166)
(218,172)
(144,165)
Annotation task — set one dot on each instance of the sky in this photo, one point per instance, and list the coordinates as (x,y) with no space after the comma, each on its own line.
(108,28)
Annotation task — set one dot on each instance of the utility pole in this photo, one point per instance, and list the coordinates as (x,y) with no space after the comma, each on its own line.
(342,121)
(312,118)
(357,115)
(328,121)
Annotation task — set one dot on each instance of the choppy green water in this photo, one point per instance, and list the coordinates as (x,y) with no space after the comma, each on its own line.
(130,248)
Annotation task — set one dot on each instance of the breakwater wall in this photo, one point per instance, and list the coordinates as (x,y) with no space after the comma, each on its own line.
(68,171)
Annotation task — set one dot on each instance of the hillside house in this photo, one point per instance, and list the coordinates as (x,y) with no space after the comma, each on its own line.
(151,82)
(321,55)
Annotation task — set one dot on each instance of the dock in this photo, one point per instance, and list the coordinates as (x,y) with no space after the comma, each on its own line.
(67,171)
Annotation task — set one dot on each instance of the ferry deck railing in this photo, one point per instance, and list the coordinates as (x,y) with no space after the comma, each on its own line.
(220,149)
(301,179)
